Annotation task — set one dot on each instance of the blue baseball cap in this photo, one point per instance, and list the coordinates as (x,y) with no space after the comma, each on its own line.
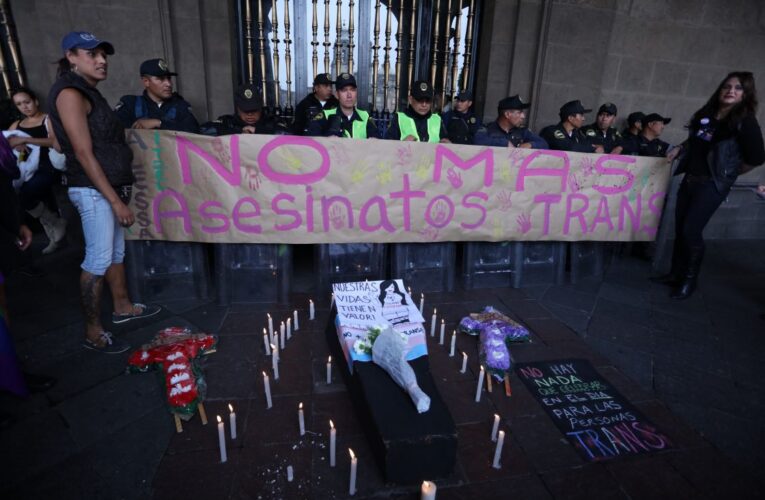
(84,40)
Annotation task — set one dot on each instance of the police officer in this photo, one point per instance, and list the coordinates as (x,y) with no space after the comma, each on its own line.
(603,132)
(461,122)
(631,134)
(249,116)
(346,120)
(158,107)
(417,122)
(650,144)
(320,99)
(566,135)
(508,129)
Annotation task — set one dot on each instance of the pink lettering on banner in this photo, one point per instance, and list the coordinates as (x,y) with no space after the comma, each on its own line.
(486,157)
(239,214)
(634,214)
(287,178)
(623,172)
(206,213)
(336,215)
(525,169)
(406,194)
(296,219)
(576,214)
(655,209)
(602,216)
(309,208)
(183,146)
(383,210)
(547,199)
(467,204)
(183,211)
(444,211)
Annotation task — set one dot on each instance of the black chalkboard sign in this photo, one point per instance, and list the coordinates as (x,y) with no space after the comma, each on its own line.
(596,419)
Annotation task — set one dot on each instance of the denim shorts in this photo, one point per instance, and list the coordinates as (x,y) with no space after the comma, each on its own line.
(104,237)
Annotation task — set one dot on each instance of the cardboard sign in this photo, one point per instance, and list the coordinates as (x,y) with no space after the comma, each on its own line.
(291,189)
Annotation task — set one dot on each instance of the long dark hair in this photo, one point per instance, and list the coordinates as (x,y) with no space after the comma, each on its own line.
(385,284)
(64,66)
(747,106)
(24,90)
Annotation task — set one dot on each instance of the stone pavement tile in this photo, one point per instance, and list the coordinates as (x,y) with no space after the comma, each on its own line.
(635,364)
(575,319)
(251,321)
(34,324)
(714,475)
(476,454)
(681,435)
(231,371)
(566,349)
(526,310)
(180,306)
(569,297)
(34,444)
(698,380)
(339,408)
(197,437)
(279,424)
(690,329)
(262,472)
(460,399)
(621,332)
(197,474)
(551,330)
(585,482)
(626,387)
(528,487)
(739,434)
(519,403)
(624,295)
(319,376)
(626,312)
(333,482)
(650,476)
(108,407)
(207,318)
(535,292)
(81,371)
(544,445)
(41,350)
(23,408)
(294,378)
(693,309)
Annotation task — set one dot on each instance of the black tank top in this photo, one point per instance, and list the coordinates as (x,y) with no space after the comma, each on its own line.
(106,132)
(38,132)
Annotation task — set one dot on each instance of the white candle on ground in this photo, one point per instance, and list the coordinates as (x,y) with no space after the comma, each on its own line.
(289,328)
(270,325)
(441,333)
(329,370)
(290,475)
(275,350)
(453,344)
(301,419)
(311,310)
(464,363)
(222,440)
(480,386)
(232,421)
(495,428)
(332,443)
(266,342)
(295,320)
(282,330)
(267,386)
(433,323)
(354,467)
(498,450)
(422,302)
(275,366)
(428,490)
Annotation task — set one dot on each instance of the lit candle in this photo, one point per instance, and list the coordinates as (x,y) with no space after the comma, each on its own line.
(295,320)
(332,443)
(289,328)
(275,366)
(498,450)
(267,386)
(441,333)
(454,344)
(422,302)
(270,325)
(232,421)
(290,475)
(282,330)
(480,386)
(275,350)
(464,362)
(354,466)
(428,490)
(495,428)
(222,440)
(311,310)
(409,289)
(329,370)
(433,323)
(301,419)
(266,342)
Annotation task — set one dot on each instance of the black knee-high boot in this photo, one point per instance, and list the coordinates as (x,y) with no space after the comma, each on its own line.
(692,267)
(675,274)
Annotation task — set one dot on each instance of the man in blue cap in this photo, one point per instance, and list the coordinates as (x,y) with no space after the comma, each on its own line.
(649,143)
(508,129)
(158,107)
(346,120)
(566,135)
(461,122)
(249,116)
(314,103)
(603,132)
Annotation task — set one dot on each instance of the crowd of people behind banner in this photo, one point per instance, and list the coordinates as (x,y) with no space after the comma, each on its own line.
(724,140)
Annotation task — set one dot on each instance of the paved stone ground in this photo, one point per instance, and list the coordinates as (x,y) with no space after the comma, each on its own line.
(100,433)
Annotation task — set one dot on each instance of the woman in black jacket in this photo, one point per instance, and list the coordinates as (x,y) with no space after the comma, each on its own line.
(724,141)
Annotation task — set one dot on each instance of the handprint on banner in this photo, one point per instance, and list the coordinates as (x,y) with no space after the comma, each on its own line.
(441,210)
(292,161)
(252,174)
(221,151)
(505,203)
(573,183)
(524,223)
(454,178)
(358,173)
(422,171)
(385,173)
(587,166)
(404,155)
(339,155)
(515,156)
(429,233)
(337,216)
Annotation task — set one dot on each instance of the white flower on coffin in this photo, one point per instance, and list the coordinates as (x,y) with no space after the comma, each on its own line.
(389,353)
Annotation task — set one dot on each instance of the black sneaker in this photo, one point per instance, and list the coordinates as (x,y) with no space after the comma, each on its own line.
(111,345)
(145,312)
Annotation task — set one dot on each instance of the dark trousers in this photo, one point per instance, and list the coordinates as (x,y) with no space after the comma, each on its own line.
(697,201)
(38,188)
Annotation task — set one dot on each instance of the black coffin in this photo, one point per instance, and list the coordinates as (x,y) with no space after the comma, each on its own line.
(408,446)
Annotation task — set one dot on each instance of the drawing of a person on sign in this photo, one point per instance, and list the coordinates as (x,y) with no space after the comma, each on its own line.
(393,301)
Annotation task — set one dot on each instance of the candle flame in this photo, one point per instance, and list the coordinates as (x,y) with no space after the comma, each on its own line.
(273,347)
(268,314)
(264,374)
(282,323)
(218,417)
(295,311)
(329,359)
(481,370)
(434,311)
(310,301)
(230,408)
(353,457)
(300,406)
(496,416)
(331,425)
(442,321)
(264,331)
(422,295)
